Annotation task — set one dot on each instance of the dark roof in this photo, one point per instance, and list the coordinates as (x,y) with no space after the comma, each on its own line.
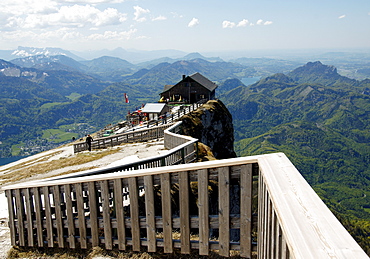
(208,84)
(203,81)
(167,87)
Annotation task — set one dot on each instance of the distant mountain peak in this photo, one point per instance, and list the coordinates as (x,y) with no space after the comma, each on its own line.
(198,56)
(316,68)
(22,52)
(318,73)
(193,55)
(29,51)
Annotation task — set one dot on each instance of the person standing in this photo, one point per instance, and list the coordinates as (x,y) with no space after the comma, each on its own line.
(89,139)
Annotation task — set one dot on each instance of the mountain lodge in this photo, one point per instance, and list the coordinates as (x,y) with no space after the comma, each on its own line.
(190,89)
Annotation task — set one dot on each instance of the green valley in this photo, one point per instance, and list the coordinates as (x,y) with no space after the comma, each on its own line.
(321,121)
(317,117)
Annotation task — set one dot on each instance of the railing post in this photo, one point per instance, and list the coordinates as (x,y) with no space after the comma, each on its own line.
(246,185)
(163,162)
(196,150)
(183,155)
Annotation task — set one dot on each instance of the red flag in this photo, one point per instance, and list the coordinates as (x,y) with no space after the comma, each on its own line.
(126,98)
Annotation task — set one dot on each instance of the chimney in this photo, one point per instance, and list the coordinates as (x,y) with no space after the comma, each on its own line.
(183,77)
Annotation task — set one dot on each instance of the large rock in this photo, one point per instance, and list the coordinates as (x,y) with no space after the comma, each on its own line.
(212,125)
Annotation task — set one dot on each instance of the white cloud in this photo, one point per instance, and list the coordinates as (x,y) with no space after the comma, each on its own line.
(159,18)
(115,35)
(75,16)
(342,16)
(139,12)
(60,34)
(44,36)
(228,24)
(259,22)
(92,1)
(21,7)
(67,35)
(194,22)
(176,15)
(243,23)
(17,35)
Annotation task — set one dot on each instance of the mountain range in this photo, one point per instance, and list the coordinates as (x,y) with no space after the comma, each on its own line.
(132,55)
(44,93)
(321,121)
(318,117)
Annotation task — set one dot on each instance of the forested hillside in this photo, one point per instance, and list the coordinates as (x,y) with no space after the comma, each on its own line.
(321,121)
(47,100)
(318,118)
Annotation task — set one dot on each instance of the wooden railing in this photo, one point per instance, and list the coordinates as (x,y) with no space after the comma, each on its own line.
(181,150)
(204,206)
(129,137)
(184,109)
(152,130)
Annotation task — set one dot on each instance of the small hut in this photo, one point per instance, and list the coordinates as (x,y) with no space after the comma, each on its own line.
(190,89)
(154,110)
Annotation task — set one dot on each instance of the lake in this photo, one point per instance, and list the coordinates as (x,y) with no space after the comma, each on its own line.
(7,160)
(250,80)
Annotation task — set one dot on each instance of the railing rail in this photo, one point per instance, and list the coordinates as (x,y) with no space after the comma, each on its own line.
(129,137)
(182,150)
(293,221)
(177,204)
(149,131)
(109,210)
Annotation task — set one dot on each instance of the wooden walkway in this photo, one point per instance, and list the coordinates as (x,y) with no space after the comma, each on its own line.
(176,213)
(254,205)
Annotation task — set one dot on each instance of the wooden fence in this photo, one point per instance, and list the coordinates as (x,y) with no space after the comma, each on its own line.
(181,150)
(129,137)
(204,206)
(152,130)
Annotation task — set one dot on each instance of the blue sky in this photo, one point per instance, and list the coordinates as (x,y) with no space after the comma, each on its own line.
(191,26)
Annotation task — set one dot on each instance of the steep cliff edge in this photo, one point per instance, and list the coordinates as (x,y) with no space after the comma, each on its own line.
(212,125)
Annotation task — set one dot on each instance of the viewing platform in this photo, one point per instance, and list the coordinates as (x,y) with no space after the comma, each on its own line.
(257,206)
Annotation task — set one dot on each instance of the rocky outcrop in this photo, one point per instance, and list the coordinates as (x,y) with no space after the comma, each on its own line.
(212,125)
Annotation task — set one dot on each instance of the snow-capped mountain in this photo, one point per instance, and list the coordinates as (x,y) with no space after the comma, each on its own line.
(22,52)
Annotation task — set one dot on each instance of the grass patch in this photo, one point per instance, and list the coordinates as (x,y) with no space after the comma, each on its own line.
(20,252)
(49,105)
(43,165)
(58,135)
(16,149)
(74,96)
